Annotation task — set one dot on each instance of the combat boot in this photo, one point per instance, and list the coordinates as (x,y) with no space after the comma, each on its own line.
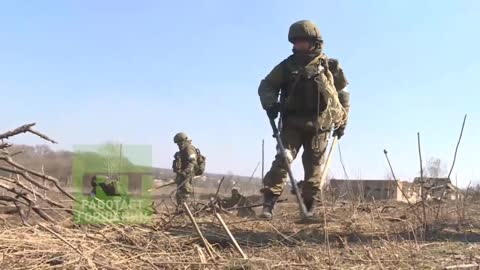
(269,200)
(310,206)
(182,198)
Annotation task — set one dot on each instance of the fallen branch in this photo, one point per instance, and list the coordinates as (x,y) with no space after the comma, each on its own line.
(35,194)
(55,181)
(31,203)
(207,245)
(24,129)
(61,238)
(4,145)
(235,244)
(462,266)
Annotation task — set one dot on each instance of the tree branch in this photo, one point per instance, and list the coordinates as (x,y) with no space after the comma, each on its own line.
(10,161)
(24,129)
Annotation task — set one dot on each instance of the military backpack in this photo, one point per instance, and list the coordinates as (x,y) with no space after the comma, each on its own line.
(310,91)
(201,160)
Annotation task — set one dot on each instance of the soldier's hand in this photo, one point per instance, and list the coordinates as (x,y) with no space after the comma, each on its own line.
(339,132)
(273,110)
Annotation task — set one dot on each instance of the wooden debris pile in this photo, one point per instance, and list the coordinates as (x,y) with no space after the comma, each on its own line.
(26,189)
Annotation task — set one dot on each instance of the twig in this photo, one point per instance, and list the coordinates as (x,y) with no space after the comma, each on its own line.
(4,145)
(24,174)
(422,188)
(24,129)
(252,206)
(458,144)
(45,137)
(31,204)
(263,159)
(61,238)
(381,220)
(218,187)
(235,244)
(341,161)
(200,254)
(38,174)
(17,206)
(253,173)
(162,186)
(21,129)
(462,266)
(32,190)
(199,232)
(398,185)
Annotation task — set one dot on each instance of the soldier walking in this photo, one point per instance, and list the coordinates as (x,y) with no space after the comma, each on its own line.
(309,90)
(188,163)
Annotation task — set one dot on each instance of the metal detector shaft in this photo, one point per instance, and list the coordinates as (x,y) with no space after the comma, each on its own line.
(326,167)
(276,134)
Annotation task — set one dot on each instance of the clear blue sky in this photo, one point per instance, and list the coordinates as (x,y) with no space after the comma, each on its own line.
(139,71)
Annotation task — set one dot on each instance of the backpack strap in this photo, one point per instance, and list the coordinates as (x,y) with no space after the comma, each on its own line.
(319,60)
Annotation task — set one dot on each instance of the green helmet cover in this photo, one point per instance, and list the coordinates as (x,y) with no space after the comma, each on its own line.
(180,137)
(304,29)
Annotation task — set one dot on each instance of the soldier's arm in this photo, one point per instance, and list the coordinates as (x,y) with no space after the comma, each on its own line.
(341,83)
(228,203)
(176,162)
(269,87)
(191,161)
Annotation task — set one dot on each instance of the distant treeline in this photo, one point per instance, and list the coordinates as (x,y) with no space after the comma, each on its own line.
(59,164)
(41,157)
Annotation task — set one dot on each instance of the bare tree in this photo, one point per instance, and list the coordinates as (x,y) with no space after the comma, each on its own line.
(112,154)
(435,168)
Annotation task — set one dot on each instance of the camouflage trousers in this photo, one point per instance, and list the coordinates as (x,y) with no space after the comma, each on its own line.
(245,211)
(293,139)
(184,188)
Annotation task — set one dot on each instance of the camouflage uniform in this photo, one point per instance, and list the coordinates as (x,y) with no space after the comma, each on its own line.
(184,166)
(106,186)
(290,89)
(238,200)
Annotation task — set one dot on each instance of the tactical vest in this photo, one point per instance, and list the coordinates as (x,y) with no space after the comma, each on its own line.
(310,92)
(181,160)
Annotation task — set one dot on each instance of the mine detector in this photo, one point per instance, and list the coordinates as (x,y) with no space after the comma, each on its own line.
(111,185)
(303,210)
(108,187)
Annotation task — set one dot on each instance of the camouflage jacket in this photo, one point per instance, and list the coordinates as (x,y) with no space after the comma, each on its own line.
(281,80)
(238,200)
(185,161)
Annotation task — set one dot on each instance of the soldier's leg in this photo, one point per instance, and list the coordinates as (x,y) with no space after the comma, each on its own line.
(277,175)
(189,186)
(184,189)
(313,158)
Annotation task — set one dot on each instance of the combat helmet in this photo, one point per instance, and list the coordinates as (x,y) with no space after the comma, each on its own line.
(180,137)
(304,29)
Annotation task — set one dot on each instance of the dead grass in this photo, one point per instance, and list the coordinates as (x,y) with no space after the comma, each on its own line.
(366,236)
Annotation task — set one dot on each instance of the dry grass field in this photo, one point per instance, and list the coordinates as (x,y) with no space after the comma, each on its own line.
(37,230)
(375,235)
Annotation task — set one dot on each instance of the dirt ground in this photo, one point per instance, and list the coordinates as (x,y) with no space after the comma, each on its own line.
(346,235)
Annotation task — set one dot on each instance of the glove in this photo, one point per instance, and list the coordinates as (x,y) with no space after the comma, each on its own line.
(273,110)
(339,132)
(182,174)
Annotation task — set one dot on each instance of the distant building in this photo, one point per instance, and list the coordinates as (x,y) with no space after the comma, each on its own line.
(439,188)
(368,190)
